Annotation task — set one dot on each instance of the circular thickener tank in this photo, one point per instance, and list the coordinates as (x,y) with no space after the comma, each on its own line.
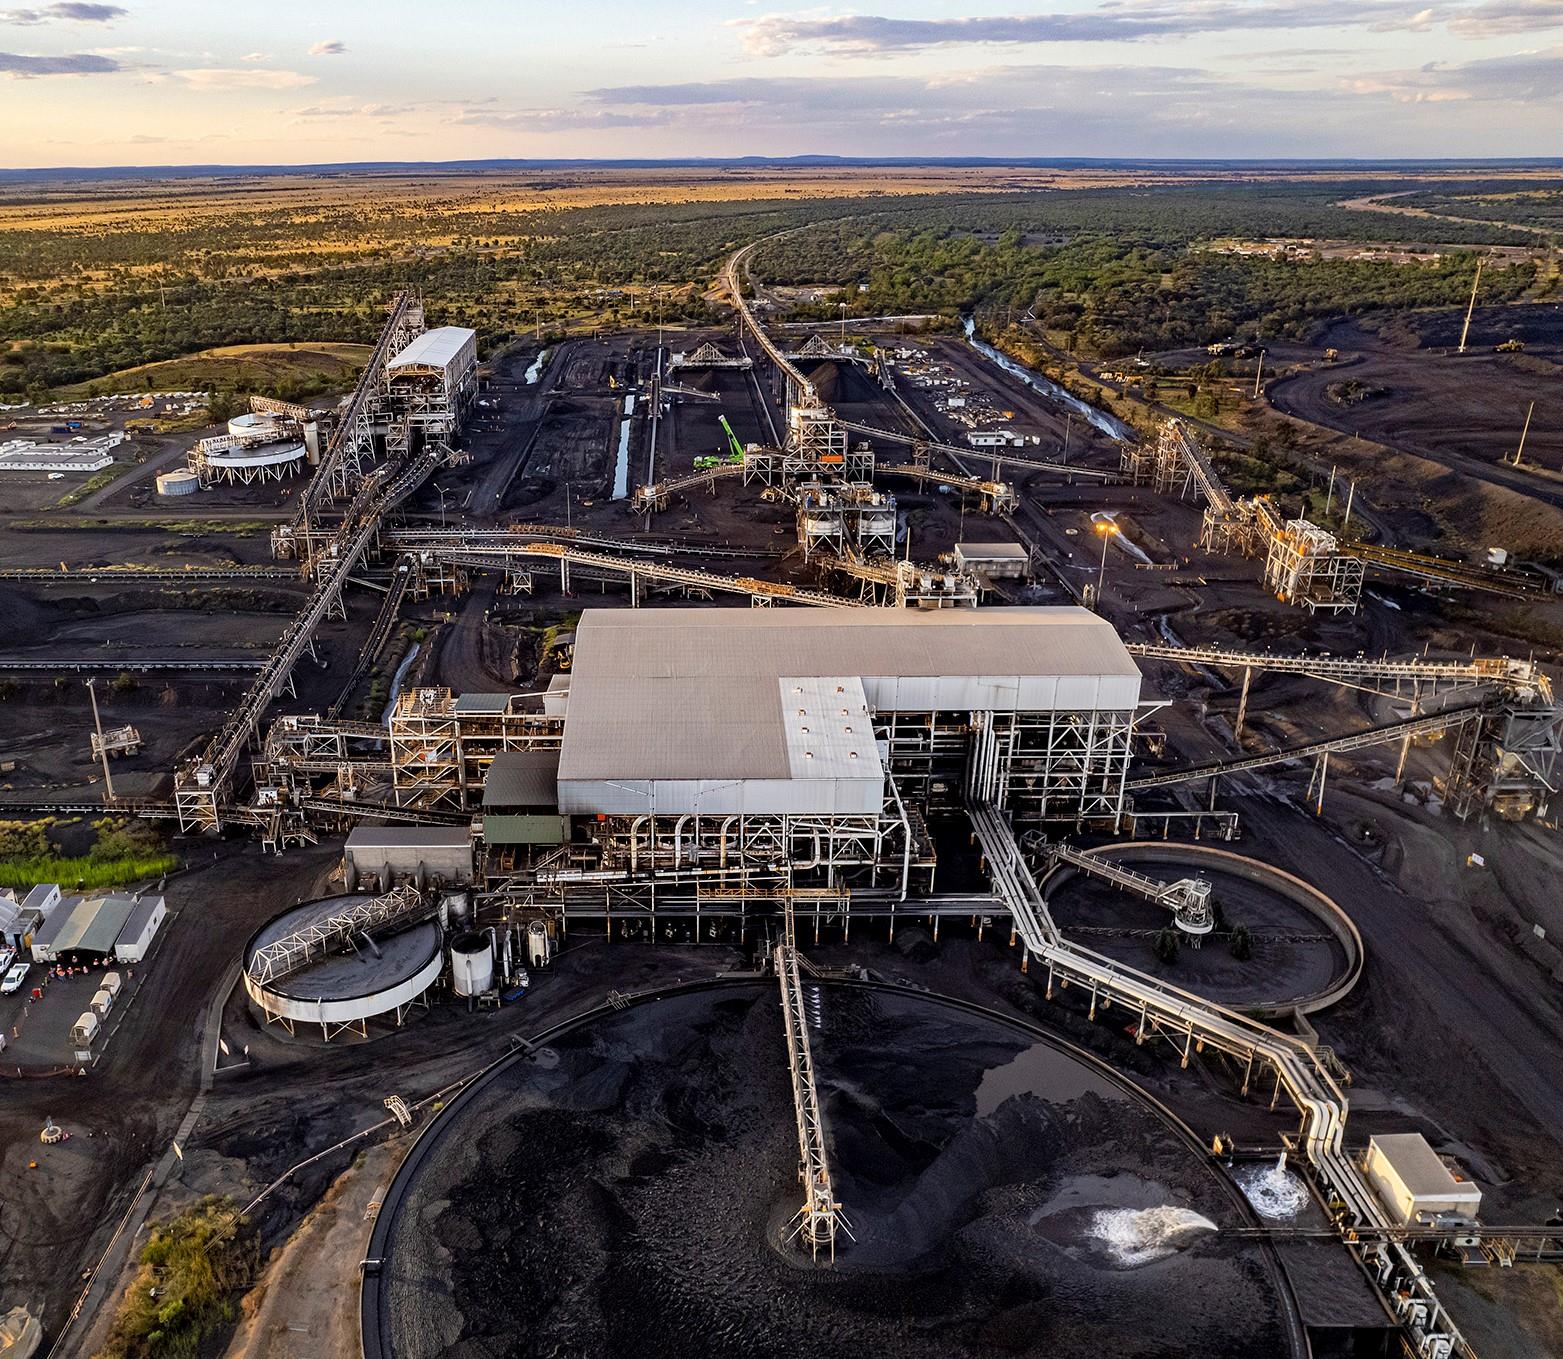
(251,425)
(471,964)
(180,482)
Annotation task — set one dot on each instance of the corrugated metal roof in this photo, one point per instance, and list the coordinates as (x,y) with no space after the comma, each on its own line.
(482,703)
(1418,1166)
(1005,550)
(402,837)
(90,925)
(693,693)
(437,348)
(522,778)
(136,922)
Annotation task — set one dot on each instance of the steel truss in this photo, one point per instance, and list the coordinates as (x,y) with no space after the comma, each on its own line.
(440,757)
(393,910)
(820,1218)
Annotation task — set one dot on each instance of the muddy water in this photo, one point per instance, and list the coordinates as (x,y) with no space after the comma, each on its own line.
(1109,425)
(633,1199)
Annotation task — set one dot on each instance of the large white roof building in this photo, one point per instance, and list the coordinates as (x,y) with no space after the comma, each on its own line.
(722,711)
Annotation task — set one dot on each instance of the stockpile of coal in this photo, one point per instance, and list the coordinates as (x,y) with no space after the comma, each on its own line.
(630,1193)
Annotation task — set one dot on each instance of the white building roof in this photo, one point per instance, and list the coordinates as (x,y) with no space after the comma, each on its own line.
(695,701)
(441,347)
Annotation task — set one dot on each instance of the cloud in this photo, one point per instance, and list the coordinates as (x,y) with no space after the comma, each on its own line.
(557,120)
(67,9)
(1120,21)
(328,47)
(344,108)
(1498,17)
(256,56)
(79,63)
(1525,78)
(250,78)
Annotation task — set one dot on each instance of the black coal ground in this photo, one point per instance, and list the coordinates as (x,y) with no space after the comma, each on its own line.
(634,1199)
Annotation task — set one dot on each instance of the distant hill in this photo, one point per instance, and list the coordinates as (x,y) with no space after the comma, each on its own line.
(78,173)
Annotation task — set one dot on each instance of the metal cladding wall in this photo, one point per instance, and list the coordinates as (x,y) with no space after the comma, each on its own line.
(178,483)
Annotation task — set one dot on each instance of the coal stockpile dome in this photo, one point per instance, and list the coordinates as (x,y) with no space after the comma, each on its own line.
(627,1191)
(346,979)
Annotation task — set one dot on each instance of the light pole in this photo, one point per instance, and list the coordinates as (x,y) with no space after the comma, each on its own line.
(103,752)
(1108,530)
(843,307)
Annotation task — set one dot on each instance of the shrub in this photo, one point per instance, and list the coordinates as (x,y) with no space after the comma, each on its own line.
(185,1291)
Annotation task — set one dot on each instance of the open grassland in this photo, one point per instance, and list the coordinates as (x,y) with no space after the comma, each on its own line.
(276,369)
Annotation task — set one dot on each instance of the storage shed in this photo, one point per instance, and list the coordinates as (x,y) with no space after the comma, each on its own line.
(1415,1185)
(443,852)
(140,928)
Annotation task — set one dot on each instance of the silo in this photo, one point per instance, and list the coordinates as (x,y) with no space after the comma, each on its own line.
(471,964)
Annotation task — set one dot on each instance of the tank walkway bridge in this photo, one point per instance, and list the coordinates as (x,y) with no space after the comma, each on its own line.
(1188,898)
(1309,1077)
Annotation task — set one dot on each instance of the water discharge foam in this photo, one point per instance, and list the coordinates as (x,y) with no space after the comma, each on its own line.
(1141,1236)
(1273,1190)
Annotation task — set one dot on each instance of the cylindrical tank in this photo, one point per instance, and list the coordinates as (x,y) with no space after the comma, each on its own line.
(471,964)
(253,425)
(455,905)
(181,481)
(539,946)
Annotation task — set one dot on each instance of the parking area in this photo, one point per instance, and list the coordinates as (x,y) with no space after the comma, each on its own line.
(36,1022)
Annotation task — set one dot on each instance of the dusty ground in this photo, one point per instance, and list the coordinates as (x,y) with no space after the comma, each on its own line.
(305,1303)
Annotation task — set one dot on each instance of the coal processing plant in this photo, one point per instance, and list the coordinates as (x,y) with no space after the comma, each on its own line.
(810,903)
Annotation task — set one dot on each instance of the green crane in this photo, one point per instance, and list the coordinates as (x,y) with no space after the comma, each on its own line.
(732,440)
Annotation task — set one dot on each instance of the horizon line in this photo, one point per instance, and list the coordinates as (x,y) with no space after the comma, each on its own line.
(16,174)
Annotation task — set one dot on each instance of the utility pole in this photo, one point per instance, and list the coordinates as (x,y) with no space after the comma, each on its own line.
(1259,373)
(1518,452)
(1069,417)
(103,752)
(1475,284)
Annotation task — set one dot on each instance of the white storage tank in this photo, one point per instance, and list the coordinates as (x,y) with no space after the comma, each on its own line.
(181,481)
(471,964)
(539,944)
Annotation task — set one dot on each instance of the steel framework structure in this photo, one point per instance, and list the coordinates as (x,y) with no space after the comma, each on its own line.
(820,1218)
(440,754)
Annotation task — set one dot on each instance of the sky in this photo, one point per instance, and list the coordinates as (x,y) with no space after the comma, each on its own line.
(307,81)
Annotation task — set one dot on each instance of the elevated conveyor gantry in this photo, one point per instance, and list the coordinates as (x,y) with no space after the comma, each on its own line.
(820,1219)
(1192,1024)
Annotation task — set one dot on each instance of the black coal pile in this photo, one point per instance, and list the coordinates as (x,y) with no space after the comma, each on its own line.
(631,1195)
